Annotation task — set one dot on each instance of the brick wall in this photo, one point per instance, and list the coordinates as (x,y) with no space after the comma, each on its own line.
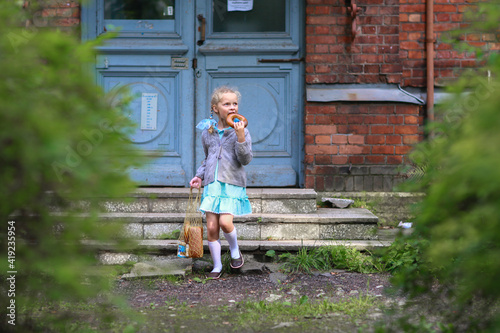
(358,146)
(389,46)
(63,15)
(361,146)
(332,57)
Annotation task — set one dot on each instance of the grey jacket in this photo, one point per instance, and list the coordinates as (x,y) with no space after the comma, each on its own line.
(231,154)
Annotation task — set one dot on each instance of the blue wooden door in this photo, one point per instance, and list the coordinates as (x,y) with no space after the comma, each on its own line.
(171,54)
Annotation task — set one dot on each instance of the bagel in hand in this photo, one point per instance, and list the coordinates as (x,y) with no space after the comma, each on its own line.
(230,119)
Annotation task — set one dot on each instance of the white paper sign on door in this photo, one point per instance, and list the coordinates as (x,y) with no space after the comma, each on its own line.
(149,111)
(242,6)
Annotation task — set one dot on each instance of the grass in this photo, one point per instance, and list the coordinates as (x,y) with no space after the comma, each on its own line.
(401,253)
(303,308)
(174,316)
(327,257)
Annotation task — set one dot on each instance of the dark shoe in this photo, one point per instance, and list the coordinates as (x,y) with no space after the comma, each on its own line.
(214,275)
(237,263)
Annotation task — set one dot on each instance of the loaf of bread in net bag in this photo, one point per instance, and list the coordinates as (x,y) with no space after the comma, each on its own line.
(195,242)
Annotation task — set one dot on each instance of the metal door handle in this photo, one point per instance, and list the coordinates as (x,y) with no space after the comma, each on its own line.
(281,60)
(203,25)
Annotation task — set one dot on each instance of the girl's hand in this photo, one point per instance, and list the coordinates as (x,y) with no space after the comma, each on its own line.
(239,128)
(195,182)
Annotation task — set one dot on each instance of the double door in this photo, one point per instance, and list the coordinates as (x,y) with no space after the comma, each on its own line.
(171,55)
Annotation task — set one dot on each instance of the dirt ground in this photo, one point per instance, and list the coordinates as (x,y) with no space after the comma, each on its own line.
(253,287)
(194,304)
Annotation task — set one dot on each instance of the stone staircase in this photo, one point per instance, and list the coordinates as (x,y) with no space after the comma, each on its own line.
(283,219)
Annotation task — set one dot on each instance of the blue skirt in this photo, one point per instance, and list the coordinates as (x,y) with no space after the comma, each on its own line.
(222,198)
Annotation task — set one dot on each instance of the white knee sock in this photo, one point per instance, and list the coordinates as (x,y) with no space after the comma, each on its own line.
(215,252)
(233,244)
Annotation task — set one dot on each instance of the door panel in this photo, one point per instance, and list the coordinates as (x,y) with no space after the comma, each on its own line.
(158,132)
(151,57)
(232,54)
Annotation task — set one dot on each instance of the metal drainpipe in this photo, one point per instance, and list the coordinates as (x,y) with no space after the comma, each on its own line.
(429,40)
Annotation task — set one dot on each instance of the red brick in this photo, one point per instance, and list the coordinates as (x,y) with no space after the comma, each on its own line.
(339,139)
(369,49)
(356,139)
(321,48)
(323,120)
(354,119)
(382,109)
(339,119)
(375,139)
(321,69)
(308,139)
(352,150)
(66,22)
(394,159)
(320,183)
(381,129)
(309,182)
(388,30)
(395,119)
(411,120)
(375,120)
(386,150)
(412,8)
(322,139)
(410,139)
(356,159)
(374,69)
(359,129)
(407,109)
(323,159)
(322,29)
(402,150)
(320,129)
(375,159)
(406,129)
(415,54)
(415,18)
(343,129)
(321,39)
(393,139)
(445,8)
(321,150)
(322,10)
(393,78)
(339,159)
(411,27)
(319,20)
(320,109)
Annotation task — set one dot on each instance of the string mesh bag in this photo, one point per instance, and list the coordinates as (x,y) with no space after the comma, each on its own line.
(191,236)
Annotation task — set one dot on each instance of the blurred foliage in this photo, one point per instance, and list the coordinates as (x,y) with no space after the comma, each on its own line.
(460,215)
(62,147)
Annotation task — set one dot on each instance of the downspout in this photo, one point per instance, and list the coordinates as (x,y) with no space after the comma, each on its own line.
(429,41)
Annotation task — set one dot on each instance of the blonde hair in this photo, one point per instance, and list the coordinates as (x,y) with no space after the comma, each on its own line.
(217,96)
(219,91)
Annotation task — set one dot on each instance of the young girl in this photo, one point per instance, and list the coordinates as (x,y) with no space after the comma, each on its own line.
(222,174)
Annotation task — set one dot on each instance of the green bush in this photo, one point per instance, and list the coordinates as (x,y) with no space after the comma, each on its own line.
(460,214)
(62,147)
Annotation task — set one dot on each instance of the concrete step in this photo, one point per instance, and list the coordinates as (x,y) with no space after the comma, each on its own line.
(154,249)
(174,200)
(323,224)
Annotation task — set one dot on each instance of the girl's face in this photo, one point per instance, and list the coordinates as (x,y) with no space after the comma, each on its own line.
(227,105)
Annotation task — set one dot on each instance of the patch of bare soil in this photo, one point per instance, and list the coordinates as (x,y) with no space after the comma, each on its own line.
(197,291)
